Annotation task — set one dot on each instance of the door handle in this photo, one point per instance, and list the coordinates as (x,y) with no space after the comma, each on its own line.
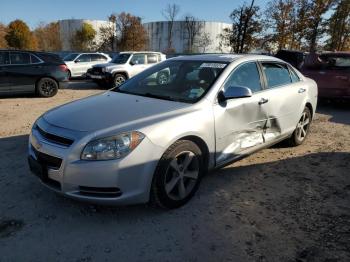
(301,90)
(263,101)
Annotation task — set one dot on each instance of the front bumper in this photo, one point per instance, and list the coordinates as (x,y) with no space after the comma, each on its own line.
(99,76)
(113,182)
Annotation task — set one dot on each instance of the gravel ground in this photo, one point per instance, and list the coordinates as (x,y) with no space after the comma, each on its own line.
(281,204)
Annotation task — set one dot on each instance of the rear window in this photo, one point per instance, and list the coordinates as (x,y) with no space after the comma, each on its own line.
(4,58)
(276,74)
(19,58)
(50,58)
(152,58)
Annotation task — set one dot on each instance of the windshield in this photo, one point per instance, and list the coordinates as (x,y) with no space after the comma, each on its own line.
(184,81)
(121,59)
(70,57)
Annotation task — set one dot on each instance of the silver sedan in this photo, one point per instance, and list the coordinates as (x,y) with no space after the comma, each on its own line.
(152,141)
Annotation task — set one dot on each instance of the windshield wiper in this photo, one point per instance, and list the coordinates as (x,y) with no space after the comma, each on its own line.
(159,97)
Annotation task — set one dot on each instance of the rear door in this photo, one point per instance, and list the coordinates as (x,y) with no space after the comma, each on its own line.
(22,74)
(4,80)
(285,93)
(239,123)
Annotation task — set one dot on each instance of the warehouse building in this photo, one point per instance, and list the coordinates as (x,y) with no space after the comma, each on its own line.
(206,41)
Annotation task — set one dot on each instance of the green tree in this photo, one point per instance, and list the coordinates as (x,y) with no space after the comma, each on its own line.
(83,39)
(19,35)
(338,27)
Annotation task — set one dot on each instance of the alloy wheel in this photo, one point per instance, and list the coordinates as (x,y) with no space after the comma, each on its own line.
(181,175)
(303,126)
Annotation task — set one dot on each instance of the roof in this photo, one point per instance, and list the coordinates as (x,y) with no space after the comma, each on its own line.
(138,52)
(223,57)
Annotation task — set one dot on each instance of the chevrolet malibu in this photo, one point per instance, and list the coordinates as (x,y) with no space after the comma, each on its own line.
(152,141)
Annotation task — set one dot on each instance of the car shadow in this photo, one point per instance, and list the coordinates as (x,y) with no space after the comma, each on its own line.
(82,84)
(339,112)
(247,210)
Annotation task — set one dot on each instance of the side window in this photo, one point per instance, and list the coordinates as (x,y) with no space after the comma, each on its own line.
(4,58)
(84,58)
(97,57)
(152,58)
(19,58)
(276,74)
(246,75)
(34,59)
(293,75)
(138,59)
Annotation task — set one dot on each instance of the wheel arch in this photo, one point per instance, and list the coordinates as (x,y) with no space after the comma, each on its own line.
(309,106)
(201,144)
(122,73)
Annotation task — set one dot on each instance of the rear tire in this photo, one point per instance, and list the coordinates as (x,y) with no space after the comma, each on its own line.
(47,87)
(302,130)
(178,175)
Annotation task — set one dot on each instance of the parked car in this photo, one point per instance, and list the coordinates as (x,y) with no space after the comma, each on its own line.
(295,58)
(331,71)
(123,67)
(79,63)
(31,72)
(149,141)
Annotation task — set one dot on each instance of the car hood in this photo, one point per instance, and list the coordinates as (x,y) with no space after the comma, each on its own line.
(104,65)
(112,109)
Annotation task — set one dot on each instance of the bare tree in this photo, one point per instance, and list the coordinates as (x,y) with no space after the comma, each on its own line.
(193,28)
(108,34)
(204,41)
(170,13)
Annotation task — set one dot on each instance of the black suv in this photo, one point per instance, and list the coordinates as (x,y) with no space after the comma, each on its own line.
(31,72)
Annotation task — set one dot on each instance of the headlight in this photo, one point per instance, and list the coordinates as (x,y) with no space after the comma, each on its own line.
(103,69)
(112,147)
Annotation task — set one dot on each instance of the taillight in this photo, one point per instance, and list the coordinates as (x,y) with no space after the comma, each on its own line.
(63,68)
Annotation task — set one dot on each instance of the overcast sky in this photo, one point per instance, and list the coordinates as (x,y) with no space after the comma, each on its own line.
(35,11)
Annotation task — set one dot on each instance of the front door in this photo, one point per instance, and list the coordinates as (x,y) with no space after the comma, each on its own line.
(138,64)
(82,64)
(240,122)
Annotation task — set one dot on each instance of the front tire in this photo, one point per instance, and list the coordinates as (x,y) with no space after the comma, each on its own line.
(46,87)
(178,174)
(302,130)
(118,80)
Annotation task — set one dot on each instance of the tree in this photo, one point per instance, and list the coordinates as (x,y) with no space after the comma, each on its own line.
(3,29)
(338,27)
(108,34)
(246,24)
(317,9)
(193,28)
(170,13)
(280,18)
(131,34)
(19,35)
(204,42)
(83,39)
(48,37)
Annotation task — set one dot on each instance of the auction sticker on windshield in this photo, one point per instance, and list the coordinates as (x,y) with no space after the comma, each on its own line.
(213,65)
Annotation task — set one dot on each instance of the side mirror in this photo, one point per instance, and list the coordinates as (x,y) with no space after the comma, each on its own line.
(77,60)
(136,62)
(234,92)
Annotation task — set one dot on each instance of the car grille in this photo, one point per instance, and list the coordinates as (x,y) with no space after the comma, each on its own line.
(96,71)
(100,191)
(54,138)
(47,160)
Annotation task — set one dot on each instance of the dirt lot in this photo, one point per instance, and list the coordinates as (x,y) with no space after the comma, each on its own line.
(282,204)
